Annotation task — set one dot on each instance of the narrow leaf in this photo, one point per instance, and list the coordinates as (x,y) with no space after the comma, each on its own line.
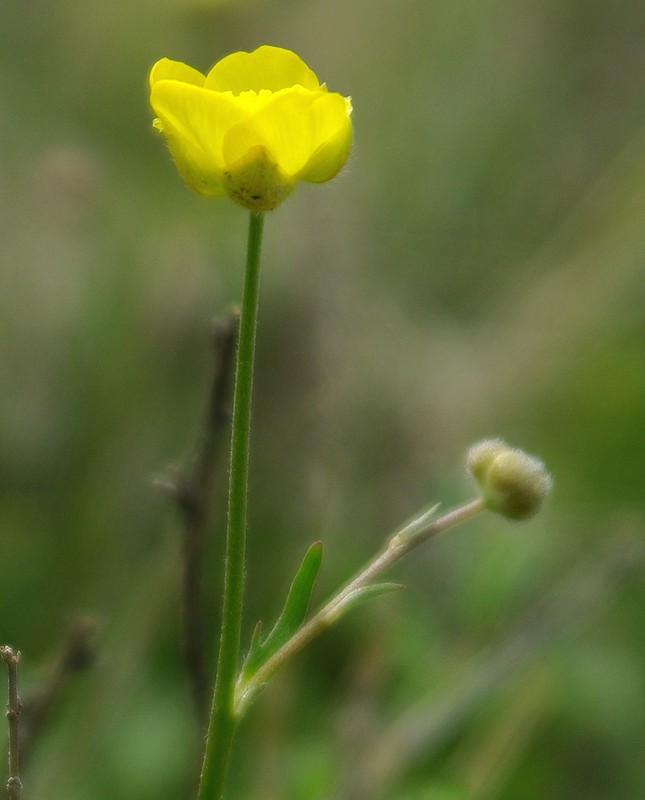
(292,616)
(254,656)
(364,594)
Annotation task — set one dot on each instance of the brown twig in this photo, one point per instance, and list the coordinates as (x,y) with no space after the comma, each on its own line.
(76,654)
(190,488)
(14,708)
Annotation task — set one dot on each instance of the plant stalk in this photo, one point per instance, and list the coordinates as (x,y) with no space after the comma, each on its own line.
(14,709)
(398,545)
(223,718)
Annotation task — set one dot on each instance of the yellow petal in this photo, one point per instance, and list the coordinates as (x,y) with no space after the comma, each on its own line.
(252,102)
(254,126)
(332,153)
(167,69)
(268,67)
(195,122)
(301,131)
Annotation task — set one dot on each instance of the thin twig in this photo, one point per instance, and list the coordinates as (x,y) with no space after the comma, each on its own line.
(14,708)
(76,654)
(191,489)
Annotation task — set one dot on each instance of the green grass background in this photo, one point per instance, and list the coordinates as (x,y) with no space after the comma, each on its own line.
(477,270)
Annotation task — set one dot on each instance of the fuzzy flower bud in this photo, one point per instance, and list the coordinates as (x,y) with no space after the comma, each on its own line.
(511,482)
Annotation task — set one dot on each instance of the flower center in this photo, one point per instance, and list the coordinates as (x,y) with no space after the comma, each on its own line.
(256,181)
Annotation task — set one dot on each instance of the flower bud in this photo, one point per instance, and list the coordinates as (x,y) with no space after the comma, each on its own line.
(511,482)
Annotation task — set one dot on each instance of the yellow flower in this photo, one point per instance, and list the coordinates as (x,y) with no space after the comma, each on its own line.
(251,128)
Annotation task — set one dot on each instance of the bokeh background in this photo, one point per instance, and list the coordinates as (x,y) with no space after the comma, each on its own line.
(477,270)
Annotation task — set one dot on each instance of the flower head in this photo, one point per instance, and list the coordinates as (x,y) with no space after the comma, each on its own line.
(251,128)
(511,482)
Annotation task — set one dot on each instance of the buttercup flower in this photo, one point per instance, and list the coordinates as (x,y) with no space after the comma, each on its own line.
(251,128)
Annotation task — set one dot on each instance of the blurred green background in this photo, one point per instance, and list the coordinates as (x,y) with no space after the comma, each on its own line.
(476,270)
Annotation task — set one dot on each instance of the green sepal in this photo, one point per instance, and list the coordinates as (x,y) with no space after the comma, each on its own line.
(292,616)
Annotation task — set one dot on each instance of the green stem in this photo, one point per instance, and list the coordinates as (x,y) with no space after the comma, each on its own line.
(402,542)
(223,718)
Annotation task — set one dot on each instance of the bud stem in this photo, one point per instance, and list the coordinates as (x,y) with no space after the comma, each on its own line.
(400,543)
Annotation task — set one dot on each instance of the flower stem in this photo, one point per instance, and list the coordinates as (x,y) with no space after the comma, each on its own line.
(223,718)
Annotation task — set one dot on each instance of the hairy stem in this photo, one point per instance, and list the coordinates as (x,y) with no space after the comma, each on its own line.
(223,718)
(409,537)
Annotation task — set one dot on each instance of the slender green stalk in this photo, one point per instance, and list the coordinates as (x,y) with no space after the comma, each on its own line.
(399,544)
(223,718)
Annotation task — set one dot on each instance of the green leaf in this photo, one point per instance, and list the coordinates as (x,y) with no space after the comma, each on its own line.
(292,616)
(364,594)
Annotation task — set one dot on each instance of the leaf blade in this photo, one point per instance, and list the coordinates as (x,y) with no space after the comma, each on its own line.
(291,617)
